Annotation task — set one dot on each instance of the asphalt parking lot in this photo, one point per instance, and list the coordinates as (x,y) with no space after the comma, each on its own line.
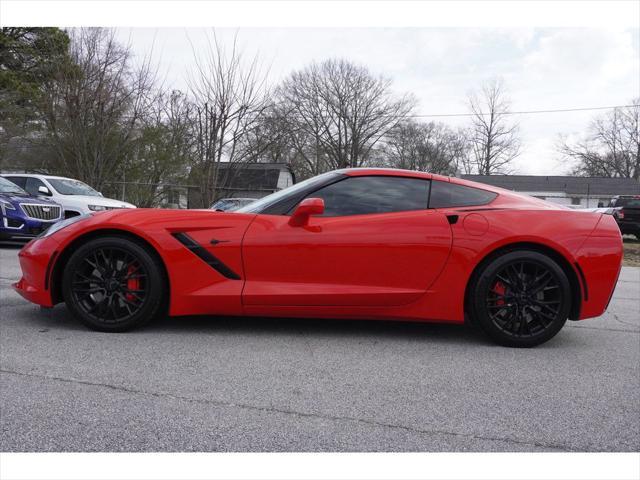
(228,384)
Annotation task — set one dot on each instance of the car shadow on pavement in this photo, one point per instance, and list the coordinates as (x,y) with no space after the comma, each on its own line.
(12,245)
(60,319)
(320,328)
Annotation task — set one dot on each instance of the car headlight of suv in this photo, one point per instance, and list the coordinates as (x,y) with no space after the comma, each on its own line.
(97,208)
(4,205)
(56,227)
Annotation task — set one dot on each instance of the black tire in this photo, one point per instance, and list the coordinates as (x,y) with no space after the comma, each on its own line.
(114,284)
(521,298)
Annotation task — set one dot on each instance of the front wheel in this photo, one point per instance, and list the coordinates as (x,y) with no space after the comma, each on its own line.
(113,284)
(521,299)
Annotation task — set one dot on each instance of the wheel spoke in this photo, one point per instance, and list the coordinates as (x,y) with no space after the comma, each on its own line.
(524,299)
(110,284)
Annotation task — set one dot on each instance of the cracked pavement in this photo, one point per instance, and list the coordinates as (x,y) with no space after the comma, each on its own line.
(235,384)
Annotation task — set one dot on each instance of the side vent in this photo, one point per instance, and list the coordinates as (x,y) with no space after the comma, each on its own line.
(206,256)
(453,219)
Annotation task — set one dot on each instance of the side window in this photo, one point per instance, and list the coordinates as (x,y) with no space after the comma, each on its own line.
(444,194)
(32,186)
(375,194)
(20,181)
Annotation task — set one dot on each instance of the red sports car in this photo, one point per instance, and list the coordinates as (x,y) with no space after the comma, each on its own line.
(357,243)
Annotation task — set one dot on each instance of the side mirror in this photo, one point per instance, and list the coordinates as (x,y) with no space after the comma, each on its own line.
(44,190)
(306,208)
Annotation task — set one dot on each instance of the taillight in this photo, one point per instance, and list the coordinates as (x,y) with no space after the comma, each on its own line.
(620,214)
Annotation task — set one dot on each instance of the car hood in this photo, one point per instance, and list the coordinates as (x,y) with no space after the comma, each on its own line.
(15,199)
(103,201)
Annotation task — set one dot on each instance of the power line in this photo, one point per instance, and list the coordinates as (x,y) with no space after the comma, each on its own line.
(522,112)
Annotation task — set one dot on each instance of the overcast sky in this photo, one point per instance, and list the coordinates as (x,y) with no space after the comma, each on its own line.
(543,68)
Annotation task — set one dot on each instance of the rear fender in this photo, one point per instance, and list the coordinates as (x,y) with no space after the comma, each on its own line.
(600,259)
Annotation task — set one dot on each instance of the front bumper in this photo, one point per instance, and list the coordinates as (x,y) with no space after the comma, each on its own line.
(14,226)
(36,259)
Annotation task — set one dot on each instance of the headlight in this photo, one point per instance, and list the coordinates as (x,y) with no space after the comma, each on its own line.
(97,208)
(4,205)
(63,224)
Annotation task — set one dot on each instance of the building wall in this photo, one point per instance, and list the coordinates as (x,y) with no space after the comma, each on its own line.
(285,179)
(562,198)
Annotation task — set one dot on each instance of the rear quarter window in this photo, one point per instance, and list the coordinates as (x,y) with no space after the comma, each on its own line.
(444,195)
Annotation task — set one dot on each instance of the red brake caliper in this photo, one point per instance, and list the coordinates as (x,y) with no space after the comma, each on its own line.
(132,283)
(499,289)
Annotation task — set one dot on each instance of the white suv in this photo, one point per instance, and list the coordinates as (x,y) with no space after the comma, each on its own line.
(75,196)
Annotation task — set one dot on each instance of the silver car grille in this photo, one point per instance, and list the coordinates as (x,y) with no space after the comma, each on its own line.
(41,212)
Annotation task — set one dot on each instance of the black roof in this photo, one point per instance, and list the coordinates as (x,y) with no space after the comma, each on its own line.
(604,186)
(251,176)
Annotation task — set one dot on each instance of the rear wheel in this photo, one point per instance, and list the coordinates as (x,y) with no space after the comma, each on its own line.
(521,299)
(113,284)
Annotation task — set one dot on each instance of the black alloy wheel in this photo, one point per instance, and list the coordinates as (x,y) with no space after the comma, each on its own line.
(522,299)
(113,284)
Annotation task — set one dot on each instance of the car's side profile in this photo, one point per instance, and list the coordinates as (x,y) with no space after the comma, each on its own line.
(76,197)
(356,243)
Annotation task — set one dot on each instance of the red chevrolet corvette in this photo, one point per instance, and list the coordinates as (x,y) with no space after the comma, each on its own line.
(358,243)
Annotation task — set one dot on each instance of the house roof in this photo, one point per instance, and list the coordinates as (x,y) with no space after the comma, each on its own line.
(595,186)
(251,176)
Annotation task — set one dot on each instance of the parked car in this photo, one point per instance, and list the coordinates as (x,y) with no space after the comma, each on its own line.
(356,243)
(627,213)
(23,216)
(76,197)
(231,204)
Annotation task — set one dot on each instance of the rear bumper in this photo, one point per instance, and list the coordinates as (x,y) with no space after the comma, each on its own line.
(629,227)
(35,262)
(600,259)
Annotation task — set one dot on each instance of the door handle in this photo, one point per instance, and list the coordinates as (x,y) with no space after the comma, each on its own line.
(215,241)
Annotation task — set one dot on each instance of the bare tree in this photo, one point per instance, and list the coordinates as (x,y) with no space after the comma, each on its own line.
(93,106)
(268,141)
(430,147)
(495,140)
(161,151)
(229,96)
(612,146)
(337,112)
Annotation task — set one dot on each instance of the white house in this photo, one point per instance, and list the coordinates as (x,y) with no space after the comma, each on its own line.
(566,190)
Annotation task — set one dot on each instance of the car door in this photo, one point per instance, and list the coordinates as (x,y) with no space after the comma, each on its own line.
(375,244)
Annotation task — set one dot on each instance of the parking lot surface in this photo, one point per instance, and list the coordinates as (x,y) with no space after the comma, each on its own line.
(232,384)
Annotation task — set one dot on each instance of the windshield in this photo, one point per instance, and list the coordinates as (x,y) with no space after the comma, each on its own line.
(67,186)
(265,202)
(11,188)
